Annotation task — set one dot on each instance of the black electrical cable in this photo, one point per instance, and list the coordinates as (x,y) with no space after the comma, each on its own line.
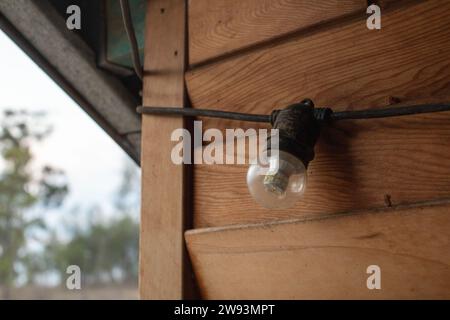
(189,112)
(320,113)
(389,112)
(129,28)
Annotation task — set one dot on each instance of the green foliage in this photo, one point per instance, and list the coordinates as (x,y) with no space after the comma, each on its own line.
(105,251)
(20,190)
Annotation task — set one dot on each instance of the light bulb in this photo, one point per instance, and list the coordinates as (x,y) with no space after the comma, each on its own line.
(281,182)
(278,184)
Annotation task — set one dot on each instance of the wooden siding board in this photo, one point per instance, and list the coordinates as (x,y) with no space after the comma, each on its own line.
(327,257)
(347,67)
(218,27)
(358,164)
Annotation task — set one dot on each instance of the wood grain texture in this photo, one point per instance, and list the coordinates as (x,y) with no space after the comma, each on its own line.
(327,257)
(218,27)
(162,256)
(346,67)
(358,163)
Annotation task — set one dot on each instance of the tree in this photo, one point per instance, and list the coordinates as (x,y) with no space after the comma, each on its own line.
(105,251)
(127,198)
(21,189)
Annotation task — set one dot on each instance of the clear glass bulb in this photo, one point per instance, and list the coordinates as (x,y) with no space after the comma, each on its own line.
(280,183)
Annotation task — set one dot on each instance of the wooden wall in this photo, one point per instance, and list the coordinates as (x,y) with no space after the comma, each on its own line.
(342,65)
(258,55)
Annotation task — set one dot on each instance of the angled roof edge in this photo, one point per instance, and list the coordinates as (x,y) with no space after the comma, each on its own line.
(41,33)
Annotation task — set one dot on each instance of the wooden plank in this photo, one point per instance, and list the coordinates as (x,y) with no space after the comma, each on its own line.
(162,256)
(358,164)
(347,67)
(218,27)
(327,258)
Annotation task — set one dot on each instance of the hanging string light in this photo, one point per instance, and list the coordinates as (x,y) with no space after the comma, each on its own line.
(281,182)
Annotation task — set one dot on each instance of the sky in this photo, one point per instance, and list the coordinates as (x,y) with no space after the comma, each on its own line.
(92,161)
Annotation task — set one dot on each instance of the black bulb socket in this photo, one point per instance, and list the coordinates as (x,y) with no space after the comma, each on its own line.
(299,129)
